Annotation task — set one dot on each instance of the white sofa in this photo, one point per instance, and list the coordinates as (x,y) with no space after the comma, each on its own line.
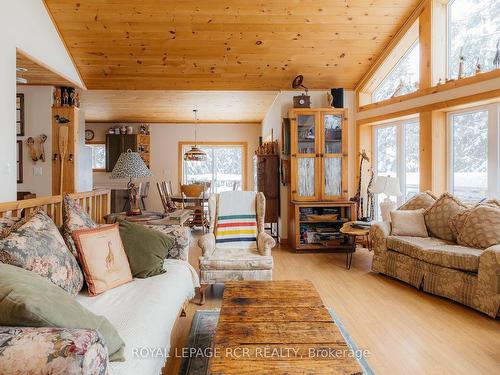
(144,312)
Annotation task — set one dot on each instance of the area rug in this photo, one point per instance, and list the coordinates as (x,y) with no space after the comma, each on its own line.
(202,333)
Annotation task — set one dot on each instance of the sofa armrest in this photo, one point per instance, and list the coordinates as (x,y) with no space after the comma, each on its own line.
(181,237)
(41,350)
(489,269)
(378,236)
(265,243)
(207,244)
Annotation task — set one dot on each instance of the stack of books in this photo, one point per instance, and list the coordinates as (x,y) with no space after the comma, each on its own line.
(361,224)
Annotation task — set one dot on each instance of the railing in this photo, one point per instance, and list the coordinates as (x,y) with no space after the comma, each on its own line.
(97,203)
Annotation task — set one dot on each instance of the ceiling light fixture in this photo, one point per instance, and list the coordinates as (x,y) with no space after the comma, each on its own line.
(195,153)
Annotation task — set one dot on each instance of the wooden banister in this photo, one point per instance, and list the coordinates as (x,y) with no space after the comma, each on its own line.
(96,202)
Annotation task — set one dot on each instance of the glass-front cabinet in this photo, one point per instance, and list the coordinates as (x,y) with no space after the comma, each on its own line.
(319,154)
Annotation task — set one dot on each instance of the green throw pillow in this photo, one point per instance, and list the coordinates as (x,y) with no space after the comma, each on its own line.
(146,248)
(30,300)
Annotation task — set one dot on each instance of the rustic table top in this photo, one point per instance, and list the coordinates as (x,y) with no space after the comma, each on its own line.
(347,228)
(278,327)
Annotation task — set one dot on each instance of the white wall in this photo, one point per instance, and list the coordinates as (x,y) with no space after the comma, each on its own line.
(272,120)
(37,118)
(164,151)
(24,24)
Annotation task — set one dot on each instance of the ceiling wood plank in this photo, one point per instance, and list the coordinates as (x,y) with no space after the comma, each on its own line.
(225,45)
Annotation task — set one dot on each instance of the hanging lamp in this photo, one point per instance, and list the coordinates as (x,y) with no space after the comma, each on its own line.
(195,153)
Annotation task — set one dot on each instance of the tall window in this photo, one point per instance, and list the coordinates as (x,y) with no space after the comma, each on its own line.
(473,147)
(402,79)
(98,156)
(397,155)
(473,30)
(224,167)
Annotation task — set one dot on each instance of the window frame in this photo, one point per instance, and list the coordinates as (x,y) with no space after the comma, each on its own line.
(415,43)
(244,148)
(400,153)
(93,144)
(493,170)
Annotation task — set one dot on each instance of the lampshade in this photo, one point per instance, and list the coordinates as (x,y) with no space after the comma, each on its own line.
(130,165)
(386,185)
(195,153)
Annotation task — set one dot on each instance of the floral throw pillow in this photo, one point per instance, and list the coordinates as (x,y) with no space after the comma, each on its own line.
(35,244)
(74,218)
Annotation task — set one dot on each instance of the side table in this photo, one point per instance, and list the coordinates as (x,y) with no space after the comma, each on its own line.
(349,230)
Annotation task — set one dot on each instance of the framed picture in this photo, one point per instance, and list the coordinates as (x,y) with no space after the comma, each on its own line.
(19,162)
(20,115)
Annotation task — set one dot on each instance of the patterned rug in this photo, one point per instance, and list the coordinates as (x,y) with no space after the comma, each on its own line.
(202,333)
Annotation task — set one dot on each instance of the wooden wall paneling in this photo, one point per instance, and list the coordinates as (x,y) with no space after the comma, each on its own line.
(425,154)
(425,44)
(439,152)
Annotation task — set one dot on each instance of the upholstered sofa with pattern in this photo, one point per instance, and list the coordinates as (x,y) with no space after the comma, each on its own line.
(441,266)
(142,311)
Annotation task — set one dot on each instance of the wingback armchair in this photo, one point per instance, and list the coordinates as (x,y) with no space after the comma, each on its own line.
(225,263)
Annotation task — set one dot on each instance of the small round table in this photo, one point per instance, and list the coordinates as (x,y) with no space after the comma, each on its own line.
(351,231)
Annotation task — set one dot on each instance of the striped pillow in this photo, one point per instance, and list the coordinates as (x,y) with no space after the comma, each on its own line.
(236,230)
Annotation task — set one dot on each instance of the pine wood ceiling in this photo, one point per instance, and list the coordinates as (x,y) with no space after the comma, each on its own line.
(176,106)
(225,45)
(38,73)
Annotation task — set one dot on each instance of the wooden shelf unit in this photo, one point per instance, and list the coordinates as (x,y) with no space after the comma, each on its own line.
(119,143)
(325,234)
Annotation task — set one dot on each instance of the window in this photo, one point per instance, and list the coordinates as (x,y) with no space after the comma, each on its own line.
(98,156)
(224,167)
(473,137)
(402,79)
(396,148)
(473,30)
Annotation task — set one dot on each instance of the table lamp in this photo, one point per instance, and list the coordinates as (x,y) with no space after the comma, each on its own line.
(130,165)
(390,187)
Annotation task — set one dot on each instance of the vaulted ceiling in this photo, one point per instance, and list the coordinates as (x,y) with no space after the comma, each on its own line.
(225,45)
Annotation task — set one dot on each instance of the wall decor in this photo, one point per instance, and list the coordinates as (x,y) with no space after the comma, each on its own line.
(89,134)
(19,159)
(20,115)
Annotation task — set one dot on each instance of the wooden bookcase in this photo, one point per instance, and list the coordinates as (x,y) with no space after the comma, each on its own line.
(309,231)
(318,192)
(318,154)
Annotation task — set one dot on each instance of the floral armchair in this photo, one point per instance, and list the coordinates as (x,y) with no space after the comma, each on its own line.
(220,264)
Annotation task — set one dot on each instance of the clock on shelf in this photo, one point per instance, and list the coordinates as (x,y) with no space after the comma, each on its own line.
(89,135)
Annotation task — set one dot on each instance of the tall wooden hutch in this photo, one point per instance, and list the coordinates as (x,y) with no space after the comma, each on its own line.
(319,204)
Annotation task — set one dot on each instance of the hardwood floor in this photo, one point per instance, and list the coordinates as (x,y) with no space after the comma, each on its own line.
(406,330)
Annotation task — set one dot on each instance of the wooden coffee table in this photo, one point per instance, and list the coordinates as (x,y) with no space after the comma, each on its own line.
(278,327)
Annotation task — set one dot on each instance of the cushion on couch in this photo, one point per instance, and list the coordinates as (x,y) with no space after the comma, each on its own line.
(436,251)
(34,243)
(146,248)
(481,228)
(74,218)
(104,262)
(31,300)
(439,214)
(408,223)
(236,259)
(421,200)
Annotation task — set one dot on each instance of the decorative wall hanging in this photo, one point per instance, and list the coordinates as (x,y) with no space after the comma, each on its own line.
(20,115)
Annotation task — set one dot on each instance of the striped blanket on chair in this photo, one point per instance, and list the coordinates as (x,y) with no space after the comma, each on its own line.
(236,220)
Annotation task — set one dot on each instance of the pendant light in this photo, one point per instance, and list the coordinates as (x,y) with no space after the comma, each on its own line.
(195,153)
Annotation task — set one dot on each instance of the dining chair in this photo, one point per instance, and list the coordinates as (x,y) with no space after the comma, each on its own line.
(194,198)
(165,191)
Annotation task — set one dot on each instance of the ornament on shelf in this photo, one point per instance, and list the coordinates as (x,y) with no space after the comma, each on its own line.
(440,81)
(479,67)
(496,60)
(461,64)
